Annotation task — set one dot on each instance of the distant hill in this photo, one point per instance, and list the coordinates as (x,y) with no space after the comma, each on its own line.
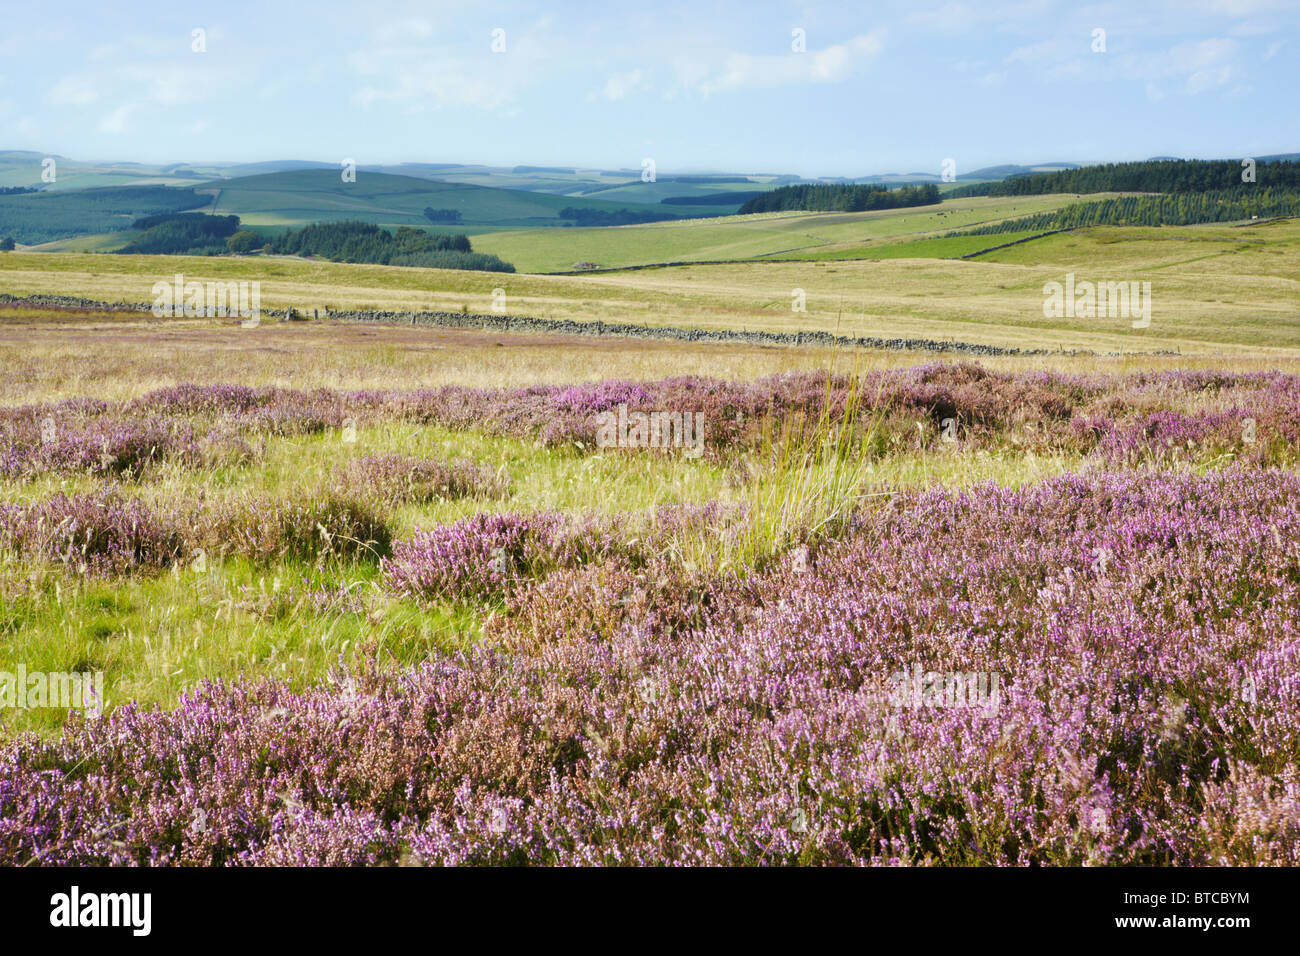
(34,218)
(305,196)
(274,166)
(1009,169)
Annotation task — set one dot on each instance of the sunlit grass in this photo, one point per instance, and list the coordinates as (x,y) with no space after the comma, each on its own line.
(223,618)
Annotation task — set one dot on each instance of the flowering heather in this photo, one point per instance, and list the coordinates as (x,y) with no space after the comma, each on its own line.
(496,555)
(399,479)
(1145,627)
(1116,417)
(106,532)
(485,555)
(99,533)
(103,446)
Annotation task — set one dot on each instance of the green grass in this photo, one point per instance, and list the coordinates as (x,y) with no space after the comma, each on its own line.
(784,235)
(156,636)
(1269,249)
(952,247)
(93,242)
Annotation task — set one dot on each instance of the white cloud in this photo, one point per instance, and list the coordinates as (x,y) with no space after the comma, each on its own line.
(619,85)
(1242,8)
(1203,80)
(116,121)
(74,90)
(829,65)
(959,17)
(419,76)
(1198,67)
(437,85)
(1035,52)
(173,85)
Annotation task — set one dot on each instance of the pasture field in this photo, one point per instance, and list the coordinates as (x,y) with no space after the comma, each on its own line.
(1214,290)
(760,235)
(944,247)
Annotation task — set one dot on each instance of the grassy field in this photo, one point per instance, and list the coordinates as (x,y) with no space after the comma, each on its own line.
(1215,290)
(944,247)
(56,355)
(789,234)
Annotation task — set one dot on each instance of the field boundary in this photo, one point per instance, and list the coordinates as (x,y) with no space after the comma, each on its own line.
(1016,242)
(518,323)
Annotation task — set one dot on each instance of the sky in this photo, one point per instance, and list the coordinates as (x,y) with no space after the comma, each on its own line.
(704,86)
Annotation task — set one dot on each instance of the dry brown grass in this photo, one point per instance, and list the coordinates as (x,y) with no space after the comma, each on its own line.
(1210,297)
(52,354)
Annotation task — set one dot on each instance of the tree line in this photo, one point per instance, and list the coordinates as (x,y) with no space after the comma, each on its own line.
(366,242)
(1152,176)
(1170,209)
(186,233)
(442,215)
(582,216)
(33,218)
(847,197)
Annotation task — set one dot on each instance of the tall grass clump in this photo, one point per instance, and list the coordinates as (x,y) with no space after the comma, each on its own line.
(802,483)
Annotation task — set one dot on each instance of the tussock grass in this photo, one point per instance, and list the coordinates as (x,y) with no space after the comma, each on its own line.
(810,479)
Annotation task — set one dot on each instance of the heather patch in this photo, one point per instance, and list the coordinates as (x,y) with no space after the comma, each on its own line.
(1143,625)
(486,555)
(921,408)
(395,479)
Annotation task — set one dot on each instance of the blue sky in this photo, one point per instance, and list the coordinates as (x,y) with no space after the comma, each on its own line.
(880,87)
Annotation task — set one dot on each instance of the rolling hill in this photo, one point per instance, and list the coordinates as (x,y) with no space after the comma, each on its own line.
(304,196)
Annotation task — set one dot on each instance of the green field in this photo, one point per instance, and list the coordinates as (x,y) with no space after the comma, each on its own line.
(949,247)
(1215,290)
(792,235)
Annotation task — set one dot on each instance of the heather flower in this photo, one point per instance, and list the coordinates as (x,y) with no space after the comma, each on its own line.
(1148,713)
